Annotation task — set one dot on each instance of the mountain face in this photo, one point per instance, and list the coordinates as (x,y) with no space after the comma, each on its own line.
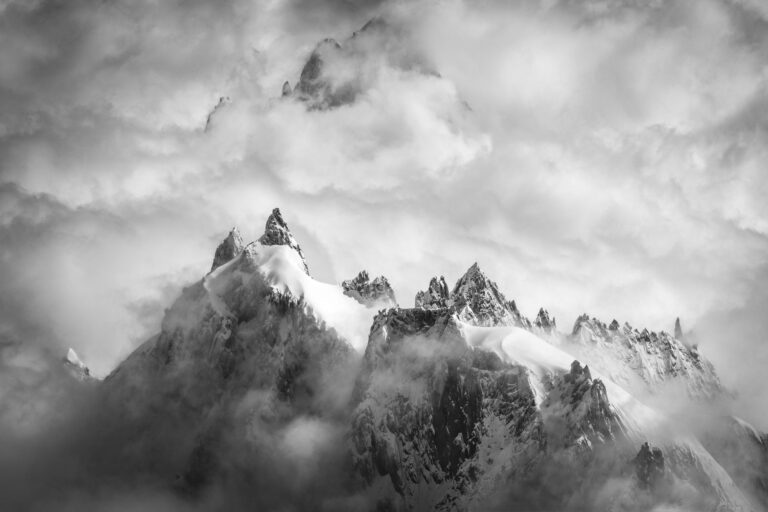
(475,299)
(370,293)
(312,396)
(337,73)
(643,359)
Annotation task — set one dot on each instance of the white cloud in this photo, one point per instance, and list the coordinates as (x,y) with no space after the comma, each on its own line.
(609,160)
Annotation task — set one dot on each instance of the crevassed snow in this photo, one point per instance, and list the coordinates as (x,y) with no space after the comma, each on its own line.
(516,345)
(283,269)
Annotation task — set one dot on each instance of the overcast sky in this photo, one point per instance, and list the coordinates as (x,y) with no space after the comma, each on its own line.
(593,156)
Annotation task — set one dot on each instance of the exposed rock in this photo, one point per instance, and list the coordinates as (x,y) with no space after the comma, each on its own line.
(370,293)
(321,86)
(439,415)
(649,466)
(435,296)
(223,101)
(477,300)
(276,232)
(318,90)
(678,329)
(644,358)
(286,89)
(228,249)
(582,403)
(544,323)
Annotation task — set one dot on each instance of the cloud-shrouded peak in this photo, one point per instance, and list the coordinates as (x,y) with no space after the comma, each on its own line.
(377,292)
(544,322)
(230,247)
(336,73)
(276,232)
(678,329)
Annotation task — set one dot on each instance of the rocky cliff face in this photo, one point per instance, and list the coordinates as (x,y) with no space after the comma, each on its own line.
(228,249)
(643,358)
(276,232)
(475,299)
(376,293)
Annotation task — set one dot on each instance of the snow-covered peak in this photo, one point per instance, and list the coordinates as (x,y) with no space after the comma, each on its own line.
(230,247)
(276,232)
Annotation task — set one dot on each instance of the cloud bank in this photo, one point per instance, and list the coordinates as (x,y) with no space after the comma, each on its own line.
(601,156)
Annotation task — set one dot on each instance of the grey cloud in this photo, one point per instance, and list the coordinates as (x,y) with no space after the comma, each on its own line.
(610,161)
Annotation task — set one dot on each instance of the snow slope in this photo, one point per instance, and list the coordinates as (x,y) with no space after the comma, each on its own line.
(282,268)
(519,346)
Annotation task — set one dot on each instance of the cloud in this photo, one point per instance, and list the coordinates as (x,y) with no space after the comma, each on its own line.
(599,156)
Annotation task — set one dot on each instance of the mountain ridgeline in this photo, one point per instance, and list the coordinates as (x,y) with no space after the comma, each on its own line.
(266,389)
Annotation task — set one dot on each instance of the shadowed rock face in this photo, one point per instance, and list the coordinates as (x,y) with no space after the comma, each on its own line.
(649,466)
(436,295)
(276,232)
(678,330)
(425,400)
(212,356)
(475,298)
(76,367)
(370,293)
(230,247)
(544,322)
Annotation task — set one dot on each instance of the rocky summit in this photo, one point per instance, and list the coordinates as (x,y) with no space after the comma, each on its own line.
(370,293)
(301,395)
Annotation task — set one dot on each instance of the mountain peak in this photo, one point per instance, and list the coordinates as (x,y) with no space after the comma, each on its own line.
(370,293)
(276,232)
(678,329)
(230,247)
(436,296)
(544,322)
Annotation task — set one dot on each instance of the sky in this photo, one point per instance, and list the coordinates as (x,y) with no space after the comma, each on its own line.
(600,156)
